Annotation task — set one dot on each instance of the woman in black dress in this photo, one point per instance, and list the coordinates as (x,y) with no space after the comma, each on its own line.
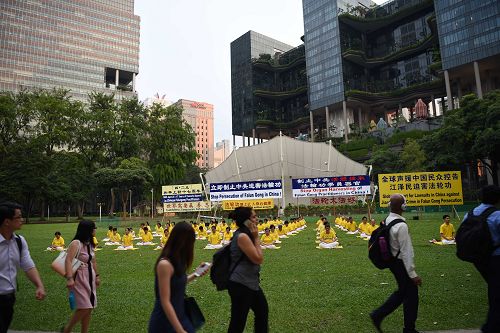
(169,314)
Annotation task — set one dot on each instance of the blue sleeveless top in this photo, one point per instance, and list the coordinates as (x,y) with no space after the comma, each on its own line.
(158,323)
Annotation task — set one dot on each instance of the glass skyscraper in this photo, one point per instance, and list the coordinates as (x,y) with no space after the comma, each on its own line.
(468,30)
(246,48)
(81,45)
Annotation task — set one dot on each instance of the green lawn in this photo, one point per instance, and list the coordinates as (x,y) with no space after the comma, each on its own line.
(308,290)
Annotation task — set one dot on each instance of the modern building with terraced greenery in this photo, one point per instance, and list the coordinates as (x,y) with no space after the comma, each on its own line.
(361,62)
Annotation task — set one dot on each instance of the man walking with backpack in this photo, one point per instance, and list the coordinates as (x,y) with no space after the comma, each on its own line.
(478,241)
(13,253)
(403,269)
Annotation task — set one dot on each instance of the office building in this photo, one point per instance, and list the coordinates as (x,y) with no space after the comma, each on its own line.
(81,45)
(221,152)
(365,62)
(200,116)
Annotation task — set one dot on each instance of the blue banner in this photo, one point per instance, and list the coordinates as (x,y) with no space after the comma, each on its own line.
(331,186)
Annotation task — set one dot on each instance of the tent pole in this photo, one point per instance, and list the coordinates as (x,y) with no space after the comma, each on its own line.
(282,174)
(329,150)
(237,164)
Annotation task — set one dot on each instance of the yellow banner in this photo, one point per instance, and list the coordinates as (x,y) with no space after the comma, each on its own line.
(422,188)
(255,204)
(181,189)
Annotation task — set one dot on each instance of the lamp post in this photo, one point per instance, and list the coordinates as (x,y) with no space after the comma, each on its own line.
(152,203)
(130,203)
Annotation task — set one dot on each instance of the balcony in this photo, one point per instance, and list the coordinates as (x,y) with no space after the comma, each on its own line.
(392,97)
(280,95)
(359,57)
(382,19)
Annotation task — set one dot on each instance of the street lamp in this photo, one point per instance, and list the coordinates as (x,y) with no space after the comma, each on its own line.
(152,203)
(130,204)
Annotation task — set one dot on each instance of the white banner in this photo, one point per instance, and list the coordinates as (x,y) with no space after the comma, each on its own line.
(261,189)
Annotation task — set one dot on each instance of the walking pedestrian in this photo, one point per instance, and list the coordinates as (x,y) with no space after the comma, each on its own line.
(403,269)
(14,253)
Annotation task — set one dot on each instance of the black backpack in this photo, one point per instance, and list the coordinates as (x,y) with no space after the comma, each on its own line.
(473,238)
(379,248)
(221,264)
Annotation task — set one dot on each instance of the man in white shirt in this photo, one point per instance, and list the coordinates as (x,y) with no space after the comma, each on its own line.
(14,253)
(403,270)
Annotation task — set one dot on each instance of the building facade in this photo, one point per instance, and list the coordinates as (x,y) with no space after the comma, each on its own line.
(200,116)
(221,152)
(247,79)
(365,62)
(81,45)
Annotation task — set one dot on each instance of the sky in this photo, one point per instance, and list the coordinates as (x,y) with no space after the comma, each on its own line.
(185,47)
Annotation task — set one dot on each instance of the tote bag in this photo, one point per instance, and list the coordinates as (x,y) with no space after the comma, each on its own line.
(194,313)
(58,265)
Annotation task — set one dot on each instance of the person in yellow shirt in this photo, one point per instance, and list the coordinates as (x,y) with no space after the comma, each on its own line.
(214,239)
(321,226)
(57,243)
(202,233)
(115,238)
(351,226)
(274,233)
(226,236)
(364,227)
(372,227)
(328,238)
(163,239)
(127,241)
(147,237)
(288,229)
(281,232)
(109,234)
(233,226)
(267,240)
(170,226)
(158,230)
(447,231)
(320,221)
(141,230)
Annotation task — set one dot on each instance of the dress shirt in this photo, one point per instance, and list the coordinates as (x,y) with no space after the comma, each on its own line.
(400,241)
(10,260)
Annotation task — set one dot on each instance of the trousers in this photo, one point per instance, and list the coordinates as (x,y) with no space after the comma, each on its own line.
(406,294)
(6,311)
(242,300)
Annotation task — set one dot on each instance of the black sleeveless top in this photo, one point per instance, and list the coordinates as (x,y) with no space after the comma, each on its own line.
(158,323)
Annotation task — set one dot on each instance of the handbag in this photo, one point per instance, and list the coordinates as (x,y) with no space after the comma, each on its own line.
(59,264)
(194,313)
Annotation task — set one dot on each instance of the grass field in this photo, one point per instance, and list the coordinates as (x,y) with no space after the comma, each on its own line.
(308,290)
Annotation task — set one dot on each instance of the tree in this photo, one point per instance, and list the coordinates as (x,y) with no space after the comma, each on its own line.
(14,118)
(413,157)
(171,143)
(385,160)
(69,181)
(23,175)
(129,129)
(469,134)
(131,174)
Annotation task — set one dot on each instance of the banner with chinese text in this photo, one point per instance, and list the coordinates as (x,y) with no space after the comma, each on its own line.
(351,201)
(255,204)
(184,198)
(422,188)
(331,186)
(248,190)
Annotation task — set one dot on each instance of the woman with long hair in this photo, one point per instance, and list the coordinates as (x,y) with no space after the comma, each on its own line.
(176,258)
(243,287)
(86,279)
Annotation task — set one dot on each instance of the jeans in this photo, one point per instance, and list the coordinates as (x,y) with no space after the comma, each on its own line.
(242,300)
(6,311)
(407,294)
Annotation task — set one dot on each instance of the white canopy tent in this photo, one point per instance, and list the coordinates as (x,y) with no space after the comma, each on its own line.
(284,158)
